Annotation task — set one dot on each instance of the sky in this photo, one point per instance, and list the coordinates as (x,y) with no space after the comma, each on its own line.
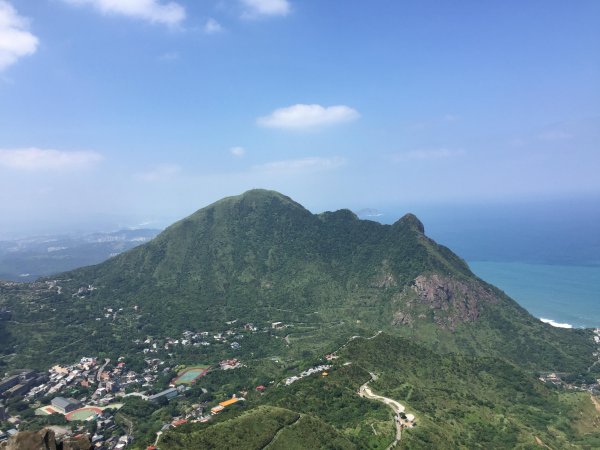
(138,112)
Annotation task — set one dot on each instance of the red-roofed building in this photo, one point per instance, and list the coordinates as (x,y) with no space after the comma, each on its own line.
(260,388)
(179,422)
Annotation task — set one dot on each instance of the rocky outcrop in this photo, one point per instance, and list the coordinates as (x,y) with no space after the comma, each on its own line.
(385,279)
(402,318)
(452,300)
(44,440)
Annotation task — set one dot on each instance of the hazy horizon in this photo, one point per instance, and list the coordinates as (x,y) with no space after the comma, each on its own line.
(117,115)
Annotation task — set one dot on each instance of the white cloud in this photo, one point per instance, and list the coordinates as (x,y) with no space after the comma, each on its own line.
(425,155)
(162,172)
(302,116)
(34,159)
(238,152)
(155,11)
(555,135)
(304,164)
(15,39)
(257,8)
(212,27)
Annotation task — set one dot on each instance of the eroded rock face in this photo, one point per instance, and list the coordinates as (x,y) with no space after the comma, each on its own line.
(402,318)
(385,279)
(452,300)
(80,443)
(44,440)
(28,440)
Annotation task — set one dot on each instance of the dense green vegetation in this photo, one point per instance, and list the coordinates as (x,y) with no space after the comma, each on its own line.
(253,430)
(467,401)
(459,402)
(457,351)
(260,258)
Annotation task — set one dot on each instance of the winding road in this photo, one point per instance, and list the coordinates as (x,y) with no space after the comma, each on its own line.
(366,392)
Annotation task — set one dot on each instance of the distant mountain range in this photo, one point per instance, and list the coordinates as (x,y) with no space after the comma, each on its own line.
(27,259)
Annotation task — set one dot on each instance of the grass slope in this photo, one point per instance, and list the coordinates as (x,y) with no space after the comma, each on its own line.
(260,428)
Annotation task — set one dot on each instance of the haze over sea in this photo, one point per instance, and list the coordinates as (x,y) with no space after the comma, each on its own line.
(543,254)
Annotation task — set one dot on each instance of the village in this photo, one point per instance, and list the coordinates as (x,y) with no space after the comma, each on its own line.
(567,381)
(84,397)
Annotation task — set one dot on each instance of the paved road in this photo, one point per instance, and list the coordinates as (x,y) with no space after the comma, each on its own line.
(365,391)
(99,374)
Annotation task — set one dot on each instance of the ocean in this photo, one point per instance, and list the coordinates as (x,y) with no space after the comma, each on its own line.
(567,296)
(545,254)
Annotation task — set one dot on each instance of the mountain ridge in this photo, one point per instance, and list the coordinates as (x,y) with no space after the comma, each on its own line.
(262,257)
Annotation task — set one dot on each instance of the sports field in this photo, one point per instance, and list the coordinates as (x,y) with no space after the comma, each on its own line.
(83,413)
(45,411)
(190,374)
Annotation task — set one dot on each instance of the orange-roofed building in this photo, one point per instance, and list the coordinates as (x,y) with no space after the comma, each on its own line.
(231,401)
(216,409)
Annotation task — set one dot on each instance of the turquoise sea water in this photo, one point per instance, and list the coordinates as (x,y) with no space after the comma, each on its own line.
(563,294)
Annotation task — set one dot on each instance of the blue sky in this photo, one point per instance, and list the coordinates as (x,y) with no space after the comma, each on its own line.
(121,112)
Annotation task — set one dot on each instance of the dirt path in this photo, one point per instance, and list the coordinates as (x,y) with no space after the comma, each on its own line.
(539,442)
(274,438)
(366,392)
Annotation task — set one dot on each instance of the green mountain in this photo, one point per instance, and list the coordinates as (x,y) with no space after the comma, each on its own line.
(457,351)
(261,257)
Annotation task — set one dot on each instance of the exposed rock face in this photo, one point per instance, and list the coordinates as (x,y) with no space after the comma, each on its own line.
(453,300)
(80,443)
(385,279)
(44,440)
(402,318)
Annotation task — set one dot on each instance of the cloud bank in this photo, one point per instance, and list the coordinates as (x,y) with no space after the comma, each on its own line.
(154,11)
(36,159)
(302,116)
(15,39)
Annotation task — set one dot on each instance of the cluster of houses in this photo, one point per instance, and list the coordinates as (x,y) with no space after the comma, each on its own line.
(232,335)
(106,383)
(194,339)
(558,379)
(322,368)
(21,384)
(88,373)
(228,364)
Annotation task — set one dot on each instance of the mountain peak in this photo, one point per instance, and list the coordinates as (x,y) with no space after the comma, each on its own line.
(411,221)
(258,196)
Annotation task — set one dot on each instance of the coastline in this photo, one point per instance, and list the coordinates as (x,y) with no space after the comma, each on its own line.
(562,296)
